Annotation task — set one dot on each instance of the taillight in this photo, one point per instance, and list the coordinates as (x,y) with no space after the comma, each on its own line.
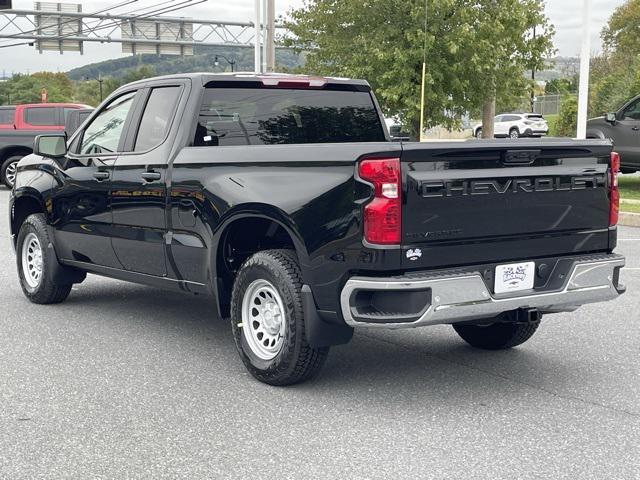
(614,192)
(383,214)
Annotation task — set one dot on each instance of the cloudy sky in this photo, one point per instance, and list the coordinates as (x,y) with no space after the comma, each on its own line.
(564,14)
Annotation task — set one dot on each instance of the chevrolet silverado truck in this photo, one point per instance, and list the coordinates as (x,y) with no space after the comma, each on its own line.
(284,198)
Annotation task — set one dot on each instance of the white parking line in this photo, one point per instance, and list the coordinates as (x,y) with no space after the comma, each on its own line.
(629,239)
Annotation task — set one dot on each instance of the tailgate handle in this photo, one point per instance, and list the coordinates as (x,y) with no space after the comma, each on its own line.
(520,157)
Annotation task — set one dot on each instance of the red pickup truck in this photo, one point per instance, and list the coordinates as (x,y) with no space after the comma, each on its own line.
(20,124)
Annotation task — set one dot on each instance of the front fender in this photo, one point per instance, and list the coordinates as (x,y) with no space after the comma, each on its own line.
(596,133)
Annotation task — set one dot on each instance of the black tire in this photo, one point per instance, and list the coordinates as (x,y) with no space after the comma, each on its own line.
(514,133)
(626,170)
(478,134)
(496,336)
(296,361)
(13,160)
(47,290)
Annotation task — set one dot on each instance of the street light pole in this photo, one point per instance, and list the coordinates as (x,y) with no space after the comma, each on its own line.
(585,57)
(99,80)
(100,83)
(230,62)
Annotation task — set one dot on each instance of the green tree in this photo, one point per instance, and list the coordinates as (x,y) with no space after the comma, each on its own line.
(620,36)
(568,118)
(88,91)
(476,51)
(615,74)
(27,88)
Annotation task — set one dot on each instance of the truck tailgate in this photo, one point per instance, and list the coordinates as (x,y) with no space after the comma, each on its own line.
(503,200)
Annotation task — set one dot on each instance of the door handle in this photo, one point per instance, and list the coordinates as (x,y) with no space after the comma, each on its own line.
(100,175)
(151,176)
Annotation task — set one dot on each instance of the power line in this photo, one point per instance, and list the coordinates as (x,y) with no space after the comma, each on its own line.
(116,22)
(97,12)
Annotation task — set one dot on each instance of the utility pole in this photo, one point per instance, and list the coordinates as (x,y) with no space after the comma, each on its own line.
(257,64)
(585,58)
(533,78)
(270,40)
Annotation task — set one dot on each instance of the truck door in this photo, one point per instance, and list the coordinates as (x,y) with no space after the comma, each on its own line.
(138,191)
(80,204)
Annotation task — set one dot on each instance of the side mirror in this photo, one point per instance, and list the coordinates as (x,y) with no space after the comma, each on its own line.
(54,145)
(611,118)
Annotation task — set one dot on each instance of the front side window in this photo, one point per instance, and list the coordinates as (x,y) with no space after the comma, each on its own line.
(157,117)
(259,116)
(43,116)
(632,112)
(103,134)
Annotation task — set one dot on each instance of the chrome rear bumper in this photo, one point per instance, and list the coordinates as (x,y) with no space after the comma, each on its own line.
(451,297)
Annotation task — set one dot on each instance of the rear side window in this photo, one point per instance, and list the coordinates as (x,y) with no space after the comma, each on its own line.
(6,116)
(157,116)
(44,116)
(252,116)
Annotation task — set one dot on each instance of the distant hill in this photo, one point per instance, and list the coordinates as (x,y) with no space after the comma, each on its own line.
(201,61)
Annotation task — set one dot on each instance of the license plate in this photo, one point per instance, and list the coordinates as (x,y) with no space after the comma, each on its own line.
(514,277)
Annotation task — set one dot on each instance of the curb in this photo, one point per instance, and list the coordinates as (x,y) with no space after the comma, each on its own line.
(629,219)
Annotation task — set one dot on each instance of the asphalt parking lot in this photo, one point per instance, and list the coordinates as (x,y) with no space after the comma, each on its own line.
(125,381)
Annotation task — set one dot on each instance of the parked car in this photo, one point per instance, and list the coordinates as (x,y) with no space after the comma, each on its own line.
(75,118)
(516,125)
(18,127)
(284,198)
(623,127)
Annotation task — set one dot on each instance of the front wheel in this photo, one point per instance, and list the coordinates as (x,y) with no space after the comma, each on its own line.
(514,133)
(496,336)
(35,263)
(479,133)
(9,170)
(267,320)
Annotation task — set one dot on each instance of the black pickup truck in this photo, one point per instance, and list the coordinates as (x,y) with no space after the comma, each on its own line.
(284,198)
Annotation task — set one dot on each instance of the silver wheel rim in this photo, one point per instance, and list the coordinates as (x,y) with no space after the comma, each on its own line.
(10,173)
(263,319)
(479,134)
(514,134)
(32,260)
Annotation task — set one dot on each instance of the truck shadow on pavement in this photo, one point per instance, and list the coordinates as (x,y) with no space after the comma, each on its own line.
(432,358)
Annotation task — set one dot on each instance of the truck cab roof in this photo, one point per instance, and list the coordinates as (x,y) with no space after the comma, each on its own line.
(268,79)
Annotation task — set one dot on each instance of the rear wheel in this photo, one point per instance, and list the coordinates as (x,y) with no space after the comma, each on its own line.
(267,320)
(496,336)
(9,170)
(35,261)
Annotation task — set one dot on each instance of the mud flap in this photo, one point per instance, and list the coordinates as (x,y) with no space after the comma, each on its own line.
(318,332)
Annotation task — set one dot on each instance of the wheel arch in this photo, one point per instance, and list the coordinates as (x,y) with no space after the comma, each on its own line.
(593,133)
(243,232)
(11,150)
(25,202)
